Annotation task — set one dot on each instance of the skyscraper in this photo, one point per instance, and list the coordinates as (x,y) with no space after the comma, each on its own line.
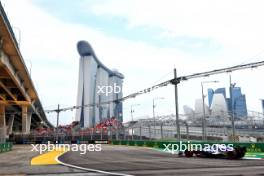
(210,96)
(211,93)
(237,105)
(221,91)
(99,89)
(262,105)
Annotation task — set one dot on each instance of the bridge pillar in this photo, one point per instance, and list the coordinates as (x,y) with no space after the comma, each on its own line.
(26,120)
(10,123)
(2,123)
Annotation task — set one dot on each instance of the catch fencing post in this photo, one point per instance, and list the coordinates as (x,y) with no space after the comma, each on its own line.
(140,133)
(149,133)
(101,134)
(161,131)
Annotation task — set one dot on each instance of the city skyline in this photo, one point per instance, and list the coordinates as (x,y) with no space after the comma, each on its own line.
(218,103)
(147,47)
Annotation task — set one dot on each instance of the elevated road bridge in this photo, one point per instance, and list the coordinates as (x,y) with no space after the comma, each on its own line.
(20,106)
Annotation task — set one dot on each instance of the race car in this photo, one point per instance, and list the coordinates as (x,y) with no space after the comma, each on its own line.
(216,152)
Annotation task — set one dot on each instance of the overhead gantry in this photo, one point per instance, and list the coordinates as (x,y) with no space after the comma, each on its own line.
(20,107)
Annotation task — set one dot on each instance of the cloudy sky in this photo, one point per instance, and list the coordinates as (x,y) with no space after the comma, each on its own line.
(144,40)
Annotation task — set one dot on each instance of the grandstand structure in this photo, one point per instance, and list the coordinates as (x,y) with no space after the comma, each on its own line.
(20,106)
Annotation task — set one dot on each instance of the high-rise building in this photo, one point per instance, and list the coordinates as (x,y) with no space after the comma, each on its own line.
(262,105)
(211,93)
(219,106)
(221,91)
(210,96)
(237,105)
(99,89)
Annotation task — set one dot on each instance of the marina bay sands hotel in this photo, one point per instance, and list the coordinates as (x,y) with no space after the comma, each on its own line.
(99,89)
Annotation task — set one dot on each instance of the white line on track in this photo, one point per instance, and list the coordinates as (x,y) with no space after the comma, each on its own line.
(88,169)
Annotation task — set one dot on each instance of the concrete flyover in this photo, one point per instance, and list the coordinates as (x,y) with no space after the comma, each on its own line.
(20,107)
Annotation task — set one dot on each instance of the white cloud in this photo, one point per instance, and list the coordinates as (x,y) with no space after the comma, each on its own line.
(234,24)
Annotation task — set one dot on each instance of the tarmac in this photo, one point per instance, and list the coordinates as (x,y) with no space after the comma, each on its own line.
(146,161)
(17,162)
(125,160)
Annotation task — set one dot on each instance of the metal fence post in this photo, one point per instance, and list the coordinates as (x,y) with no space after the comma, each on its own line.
(92,134)
(140,134)
(81,137)
(110,132)
(124,137)
(101,134)
(117,133)
(149,133)
(132,133)
(161,131)
(187,131)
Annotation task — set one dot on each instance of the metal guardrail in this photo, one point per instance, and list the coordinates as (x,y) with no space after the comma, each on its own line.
(165,132)
(132,133)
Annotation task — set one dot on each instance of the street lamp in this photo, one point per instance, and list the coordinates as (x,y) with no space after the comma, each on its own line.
(203,119)
(153,108)
(132,110)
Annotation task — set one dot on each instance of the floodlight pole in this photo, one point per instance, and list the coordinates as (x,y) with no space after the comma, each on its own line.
(232,109)
(58,117)
(132,110)
(203,119)
(177,105)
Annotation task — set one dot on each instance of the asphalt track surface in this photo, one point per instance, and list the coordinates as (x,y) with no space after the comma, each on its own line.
(146,161)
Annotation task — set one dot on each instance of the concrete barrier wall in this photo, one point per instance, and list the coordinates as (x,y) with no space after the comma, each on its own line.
(5,147)
(2,135)
(251,147)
